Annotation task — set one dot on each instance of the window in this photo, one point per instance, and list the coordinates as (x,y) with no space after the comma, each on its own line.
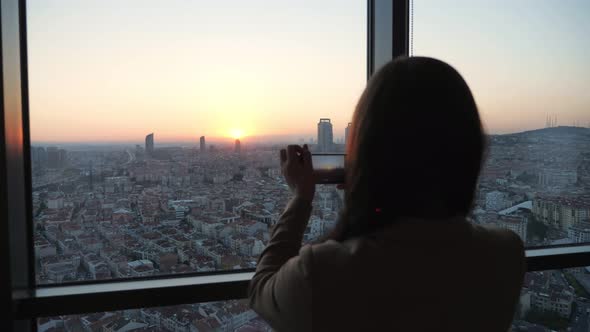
(526,65)
(179,110)
(146,68)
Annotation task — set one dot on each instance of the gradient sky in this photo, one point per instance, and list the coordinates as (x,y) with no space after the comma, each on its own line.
(112,70)
(117,70)
(522,59)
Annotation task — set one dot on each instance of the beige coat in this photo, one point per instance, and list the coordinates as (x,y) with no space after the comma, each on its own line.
(415,275)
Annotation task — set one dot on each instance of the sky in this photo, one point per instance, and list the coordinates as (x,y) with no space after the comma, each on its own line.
(523,60)
(114,71)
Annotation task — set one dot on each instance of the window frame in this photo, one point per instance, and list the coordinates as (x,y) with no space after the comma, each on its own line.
(387,38)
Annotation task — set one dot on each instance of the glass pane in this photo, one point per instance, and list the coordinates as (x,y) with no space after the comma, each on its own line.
(156,127)
(234,315)
(526,63)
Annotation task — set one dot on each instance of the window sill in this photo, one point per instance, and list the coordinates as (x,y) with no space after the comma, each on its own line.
(174,290)
(119,295)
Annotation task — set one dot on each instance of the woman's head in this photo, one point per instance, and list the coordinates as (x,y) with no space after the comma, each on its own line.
(415,148)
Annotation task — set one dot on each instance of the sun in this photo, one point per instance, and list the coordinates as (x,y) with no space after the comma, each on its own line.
(236,133)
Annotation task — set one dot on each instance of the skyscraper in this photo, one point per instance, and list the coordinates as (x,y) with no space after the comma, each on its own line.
(238,147)
(346,131)
(202,147)
(325,135)
(56,158)
(38,156)
(149,144)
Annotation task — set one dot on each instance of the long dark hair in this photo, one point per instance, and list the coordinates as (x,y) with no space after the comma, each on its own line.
(415,148)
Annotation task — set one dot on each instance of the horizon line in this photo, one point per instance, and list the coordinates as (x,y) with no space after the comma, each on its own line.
(224,139)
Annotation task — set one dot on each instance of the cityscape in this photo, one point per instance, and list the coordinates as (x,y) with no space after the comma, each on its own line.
(144,210)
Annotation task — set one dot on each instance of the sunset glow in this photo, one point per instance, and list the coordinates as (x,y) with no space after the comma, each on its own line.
(260,68)
(236,133)
(185,69)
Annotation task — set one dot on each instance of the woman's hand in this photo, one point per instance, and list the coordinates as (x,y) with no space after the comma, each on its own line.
(298,171)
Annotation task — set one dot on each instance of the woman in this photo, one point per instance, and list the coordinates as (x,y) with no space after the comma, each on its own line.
(403,256)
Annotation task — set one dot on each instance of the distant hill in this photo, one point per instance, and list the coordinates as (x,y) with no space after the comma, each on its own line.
(554,131)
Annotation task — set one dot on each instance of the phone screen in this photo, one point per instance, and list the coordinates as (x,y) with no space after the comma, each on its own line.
(328,168)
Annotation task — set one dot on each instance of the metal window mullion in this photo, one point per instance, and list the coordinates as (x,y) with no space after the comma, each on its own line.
(5,273)
(16,230)
(122,295)
(387,32)
(400,28)
(26,147)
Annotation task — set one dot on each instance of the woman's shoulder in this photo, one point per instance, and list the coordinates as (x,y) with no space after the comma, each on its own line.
(328,247)
(329,252)
(502,240)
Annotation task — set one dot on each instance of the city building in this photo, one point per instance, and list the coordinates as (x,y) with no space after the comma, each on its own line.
(561,211)
(579,232)
(149,144)
(141,268)
(202,146)
(515,223)
(55,200)
(495,201)
(325,136)
(38,156)
(237,146)
(557,177)
(56,158)
(346,132)
(545,293)
(557,301)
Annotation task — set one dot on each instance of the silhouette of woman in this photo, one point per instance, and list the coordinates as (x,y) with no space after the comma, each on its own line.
(403,255)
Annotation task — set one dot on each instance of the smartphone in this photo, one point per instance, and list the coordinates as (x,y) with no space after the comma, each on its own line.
(328,168)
